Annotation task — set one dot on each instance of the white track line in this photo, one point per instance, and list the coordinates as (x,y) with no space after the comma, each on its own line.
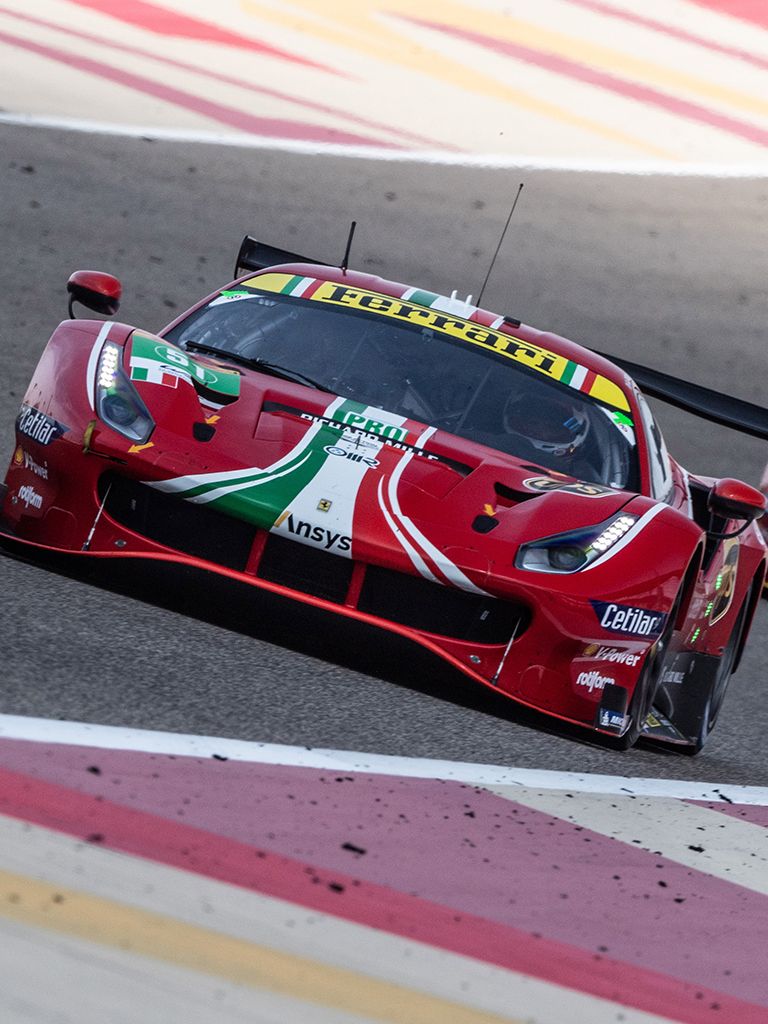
(701,839)
(110,737)
(494,161)
(287,928)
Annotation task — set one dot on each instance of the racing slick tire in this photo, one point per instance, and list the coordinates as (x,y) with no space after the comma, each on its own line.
(648,683)
(714,696)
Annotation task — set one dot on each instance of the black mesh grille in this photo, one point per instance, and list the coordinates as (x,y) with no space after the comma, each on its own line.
(408,600)
(420,604)
(305,568)
(194,529)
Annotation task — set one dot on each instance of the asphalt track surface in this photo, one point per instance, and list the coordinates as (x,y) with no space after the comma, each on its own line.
(668,271)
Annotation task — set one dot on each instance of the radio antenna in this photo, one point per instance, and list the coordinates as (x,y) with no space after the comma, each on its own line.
(503,233)
(345,261)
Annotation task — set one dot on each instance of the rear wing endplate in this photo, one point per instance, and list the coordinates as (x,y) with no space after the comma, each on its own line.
(255,255)
(704,402)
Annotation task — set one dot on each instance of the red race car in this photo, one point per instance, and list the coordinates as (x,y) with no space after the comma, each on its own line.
(500,495)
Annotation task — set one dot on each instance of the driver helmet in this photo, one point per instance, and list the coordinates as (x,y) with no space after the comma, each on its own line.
(553,425)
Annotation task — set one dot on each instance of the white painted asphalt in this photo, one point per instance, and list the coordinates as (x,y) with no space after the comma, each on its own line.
(493,161)
(57,975)
(110,737)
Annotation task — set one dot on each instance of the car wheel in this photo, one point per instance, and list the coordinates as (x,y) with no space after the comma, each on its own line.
(715,695)
(648,683)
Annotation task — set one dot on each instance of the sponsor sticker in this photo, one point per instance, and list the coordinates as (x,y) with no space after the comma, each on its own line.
(612,719)
(371,426)
(23,460)
(627,620)
(317,536)
(623,424)
(232,295)
(352,456)
(594,681)
(614,654)
(30,497)
(545,483)
(37,426)
(672,676)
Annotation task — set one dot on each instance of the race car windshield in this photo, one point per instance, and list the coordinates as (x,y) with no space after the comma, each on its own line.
(425,375)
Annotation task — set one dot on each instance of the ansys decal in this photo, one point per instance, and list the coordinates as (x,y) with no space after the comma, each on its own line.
(311,494)
(425,310)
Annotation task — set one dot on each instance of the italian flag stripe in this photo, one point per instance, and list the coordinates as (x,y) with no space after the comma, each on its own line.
(291,284)
(422,298)
(570,369)
(311,288)
(589,380)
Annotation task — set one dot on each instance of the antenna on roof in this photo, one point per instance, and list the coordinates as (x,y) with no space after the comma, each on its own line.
(345,261)
(503,233)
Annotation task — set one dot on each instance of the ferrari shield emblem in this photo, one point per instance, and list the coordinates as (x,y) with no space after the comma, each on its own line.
(324,505)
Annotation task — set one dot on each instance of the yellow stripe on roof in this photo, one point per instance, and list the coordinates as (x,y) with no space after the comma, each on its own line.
(534,357)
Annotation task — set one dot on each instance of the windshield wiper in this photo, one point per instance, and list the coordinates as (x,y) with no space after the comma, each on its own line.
(284,372)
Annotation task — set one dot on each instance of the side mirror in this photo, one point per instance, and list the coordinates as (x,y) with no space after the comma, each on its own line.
(96,290)
(733,499)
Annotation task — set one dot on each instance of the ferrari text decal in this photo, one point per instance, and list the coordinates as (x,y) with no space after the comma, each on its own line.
(621,618)
(37,426)
(545,483)
(156,362)
(554,366)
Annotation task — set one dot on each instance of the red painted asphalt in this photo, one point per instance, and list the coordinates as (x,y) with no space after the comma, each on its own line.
(445,863)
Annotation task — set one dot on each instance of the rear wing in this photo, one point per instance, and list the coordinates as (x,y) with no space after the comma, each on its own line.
(255,255)
(704,402)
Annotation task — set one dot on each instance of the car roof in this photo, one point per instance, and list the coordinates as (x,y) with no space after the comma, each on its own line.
(454,309)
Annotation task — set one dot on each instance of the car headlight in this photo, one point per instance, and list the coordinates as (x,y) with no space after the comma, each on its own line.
(118,403)
(571,552)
